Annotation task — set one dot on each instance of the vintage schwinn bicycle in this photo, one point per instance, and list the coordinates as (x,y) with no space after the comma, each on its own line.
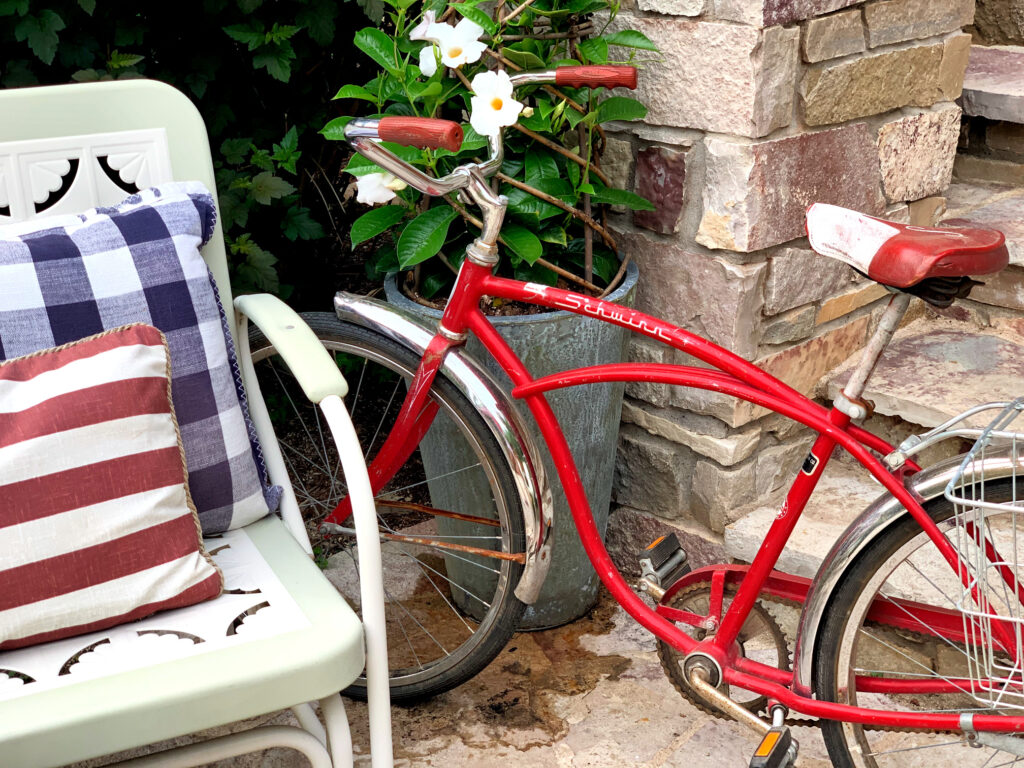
(910,636)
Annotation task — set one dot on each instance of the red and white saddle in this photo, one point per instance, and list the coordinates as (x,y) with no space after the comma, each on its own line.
(900,255)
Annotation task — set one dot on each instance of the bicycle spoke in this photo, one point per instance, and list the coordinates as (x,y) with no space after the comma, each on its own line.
(914,749)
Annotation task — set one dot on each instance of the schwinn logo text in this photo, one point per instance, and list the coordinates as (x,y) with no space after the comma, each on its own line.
(603,311)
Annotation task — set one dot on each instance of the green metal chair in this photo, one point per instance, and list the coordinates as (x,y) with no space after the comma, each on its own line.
(116,690)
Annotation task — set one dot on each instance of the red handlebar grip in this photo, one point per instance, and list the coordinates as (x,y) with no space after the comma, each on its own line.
(422,132)
(607,76)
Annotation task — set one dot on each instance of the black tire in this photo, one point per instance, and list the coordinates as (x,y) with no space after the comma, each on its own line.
(901,562)
(448,613)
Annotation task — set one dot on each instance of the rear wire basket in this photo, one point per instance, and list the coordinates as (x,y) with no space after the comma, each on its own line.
(989,535)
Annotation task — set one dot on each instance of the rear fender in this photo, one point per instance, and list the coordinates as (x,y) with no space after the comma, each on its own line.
(497,409)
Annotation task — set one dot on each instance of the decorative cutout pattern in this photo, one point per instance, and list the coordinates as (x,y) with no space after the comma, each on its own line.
(234,617)
(71,174)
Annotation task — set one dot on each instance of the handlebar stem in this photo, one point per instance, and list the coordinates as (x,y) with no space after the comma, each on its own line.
(484,250)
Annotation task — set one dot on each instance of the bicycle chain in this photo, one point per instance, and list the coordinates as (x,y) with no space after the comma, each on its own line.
(790,719)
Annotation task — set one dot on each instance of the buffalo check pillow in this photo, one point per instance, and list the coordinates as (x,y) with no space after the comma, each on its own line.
(62,280)
(96,524)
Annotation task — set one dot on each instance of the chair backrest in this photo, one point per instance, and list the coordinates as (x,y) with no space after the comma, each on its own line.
(72,147)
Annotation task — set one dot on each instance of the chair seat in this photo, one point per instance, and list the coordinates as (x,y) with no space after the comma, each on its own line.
(900,255)
(280,635)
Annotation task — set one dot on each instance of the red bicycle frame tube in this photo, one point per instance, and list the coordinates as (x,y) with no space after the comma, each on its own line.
(731,375)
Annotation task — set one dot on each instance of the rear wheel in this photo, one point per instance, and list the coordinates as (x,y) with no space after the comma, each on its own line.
(451,522)
(858,649)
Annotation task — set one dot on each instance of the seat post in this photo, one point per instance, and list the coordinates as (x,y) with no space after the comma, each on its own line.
(849,400)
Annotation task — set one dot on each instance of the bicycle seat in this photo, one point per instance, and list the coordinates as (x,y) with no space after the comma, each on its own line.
(900,255)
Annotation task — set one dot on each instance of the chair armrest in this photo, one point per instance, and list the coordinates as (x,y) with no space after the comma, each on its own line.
(309,361)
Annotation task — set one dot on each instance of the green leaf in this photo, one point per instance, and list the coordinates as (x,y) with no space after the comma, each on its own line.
(553,235)
(471,142)
(252,34)
(276,59)
(375,221)
(235,150)
(433,284)
(477,16)
(266,187)
(11,7)
(379,47)
(534,273)
(248,6)
(374,9)
(89,6)
(522,242)
(300,225)
(281,32)
(595,50)
(524,59)
(120,60)
(424,236)
(630,38)
(355,92)
(536,122)
(620,108)
(360,166)
(318,20)
(286,154)
(540,165)
(262,160)
(40,32)
(621,197)
(335,130)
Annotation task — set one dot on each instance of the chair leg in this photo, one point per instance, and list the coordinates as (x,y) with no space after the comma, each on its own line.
(371,580)
(339,738)
(232,745)
(309,721)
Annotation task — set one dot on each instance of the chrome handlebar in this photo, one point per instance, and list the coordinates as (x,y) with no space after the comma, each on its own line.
(362,134)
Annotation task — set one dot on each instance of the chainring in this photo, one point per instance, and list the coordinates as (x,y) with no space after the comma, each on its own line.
(760,634)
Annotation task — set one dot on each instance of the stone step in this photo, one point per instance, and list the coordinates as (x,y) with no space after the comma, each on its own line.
(936,369)
(993,85)
(992,206)
(843,492)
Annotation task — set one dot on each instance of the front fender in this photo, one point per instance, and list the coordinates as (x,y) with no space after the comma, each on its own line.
(496,408)
(885,511)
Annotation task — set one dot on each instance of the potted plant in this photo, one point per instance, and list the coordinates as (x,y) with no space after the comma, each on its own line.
(452,63)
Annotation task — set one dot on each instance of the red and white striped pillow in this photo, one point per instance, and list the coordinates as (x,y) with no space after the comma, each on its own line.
(96,523)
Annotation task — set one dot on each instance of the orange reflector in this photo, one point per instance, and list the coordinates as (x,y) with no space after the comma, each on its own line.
(767,744)
(656,542)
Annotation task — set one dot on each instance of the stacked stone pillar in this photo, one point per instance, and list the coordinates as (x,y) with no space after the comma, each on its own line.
(758,108)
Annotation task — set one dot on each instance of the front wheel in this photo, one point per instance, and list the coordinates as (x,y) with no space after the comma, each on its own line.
(859,650)
(451,522)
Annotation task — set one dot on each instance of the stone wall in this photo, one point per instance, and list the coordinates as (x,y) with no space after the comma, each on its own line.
(759,108)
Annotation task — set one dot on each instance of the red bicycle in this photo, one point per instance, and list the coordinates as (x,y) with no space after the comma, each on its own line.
(910,636)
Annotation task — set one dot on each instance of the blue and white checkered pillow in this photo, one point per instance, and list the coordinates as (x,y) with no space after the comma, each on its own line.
(61,281)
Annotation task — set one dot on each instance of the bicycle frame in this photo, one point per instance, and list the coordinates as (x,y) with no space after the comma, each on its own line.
(730,375)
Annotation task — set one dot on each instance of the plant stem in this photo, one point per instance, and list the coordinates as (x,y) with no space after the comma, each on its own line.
(590,222)
(562,151)
(543,262)
(517,11)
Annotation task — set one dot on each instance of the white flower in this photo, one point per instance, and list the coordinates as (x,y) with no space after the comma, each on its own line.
(456,45)
(420,31)
(378,187)
(492,105)
(428,60)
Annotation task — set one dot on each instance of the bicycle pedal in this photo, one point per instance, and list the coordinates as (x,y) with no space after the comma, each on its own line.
(777,749)
(662,564)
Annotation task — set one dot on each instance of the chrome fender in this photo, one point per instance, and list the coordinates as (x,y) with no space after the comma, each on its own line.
(496,408)
(885,511)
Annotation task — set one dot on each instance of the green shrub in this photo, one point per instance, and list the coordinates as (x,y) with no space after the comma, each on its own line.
(261,73)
